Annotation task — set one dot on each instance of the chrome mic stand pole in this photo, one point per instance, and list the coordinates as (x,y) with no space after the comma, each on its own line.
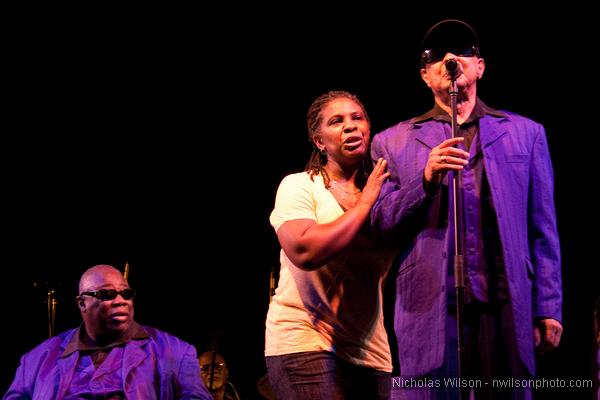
(213,362)
(126,271)
(51,300)
(272,284)
(459,284)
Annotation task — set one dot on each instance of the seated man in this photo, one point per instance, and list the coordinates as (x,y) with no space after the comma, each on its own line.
(110,356)
(214,373)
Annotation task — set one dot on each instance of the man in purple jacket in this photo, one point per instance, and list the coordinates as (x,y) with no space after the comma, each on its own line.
(509,238)
(110,356)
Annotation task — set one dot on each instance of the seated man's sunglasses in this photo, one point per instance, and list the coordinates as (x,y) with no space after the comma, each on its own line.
(110,294)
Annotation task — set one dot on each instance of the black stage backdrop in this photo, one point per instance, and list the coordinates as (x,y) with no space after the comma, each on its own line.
(158,137)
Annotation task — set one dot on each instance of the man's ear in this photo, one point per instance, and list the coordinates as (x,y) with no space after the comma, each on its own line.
(480,67)
(425,76)
(81,303)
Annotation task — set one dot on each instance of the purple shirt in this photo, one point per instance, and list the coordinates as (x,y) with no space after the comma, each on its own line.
(160,366)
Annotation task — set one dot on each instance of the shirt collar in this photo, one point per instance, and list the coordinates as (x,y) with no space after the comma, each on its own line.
(78,339)
(438,114)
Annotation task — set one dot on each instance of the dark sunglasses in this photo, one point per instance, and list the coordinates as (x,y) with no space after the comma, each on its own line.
(437,54)
(110,294)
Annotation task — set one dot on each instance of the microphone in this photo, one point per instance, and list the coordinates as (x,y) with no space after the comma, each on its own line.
(452,68)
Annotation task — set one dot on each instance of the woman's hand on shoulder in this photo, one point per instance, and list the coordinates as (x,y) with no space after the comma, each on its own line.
(374,182)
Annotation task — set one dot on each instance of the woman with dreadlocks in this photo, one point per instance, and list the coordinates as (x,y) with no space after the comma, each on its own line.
(325,337)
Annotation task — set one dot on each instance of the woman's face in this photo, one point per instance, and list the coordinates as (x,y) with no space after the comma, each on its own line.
(344,131)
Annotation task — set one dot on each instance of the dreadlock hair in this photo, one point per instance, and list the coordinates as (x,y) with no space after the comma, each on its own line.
(318,159)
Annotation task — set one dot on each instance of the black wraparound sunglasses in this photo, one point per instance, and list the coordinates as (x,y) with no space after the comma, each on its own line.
(438,53)
(110,294)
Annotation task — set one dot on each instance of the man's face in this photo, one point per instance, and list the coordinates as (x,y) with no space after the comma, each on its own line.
(220,370)
(105,317)
(436,76)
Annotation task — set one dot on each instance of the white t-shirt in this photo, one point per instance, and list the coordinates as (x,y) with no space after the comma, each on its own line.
(338,307)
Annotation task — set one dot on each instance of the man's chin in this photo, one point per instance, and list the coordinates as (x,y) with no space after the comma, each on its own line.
(117,326)
(216,385)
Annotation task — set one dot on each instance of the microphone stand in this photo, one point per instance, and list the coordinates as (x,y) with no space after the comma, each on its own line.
(213,362)
(126,271)
(459,283)
(272,284)
(51,300)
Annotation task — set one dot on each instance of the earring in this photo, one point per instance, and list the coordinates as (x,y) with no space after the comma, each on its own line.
(323,151)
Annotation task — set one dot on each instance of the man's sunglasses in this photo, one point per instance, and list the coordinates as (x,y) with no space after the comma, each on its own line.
(218,366)
(437,54)
(110,294)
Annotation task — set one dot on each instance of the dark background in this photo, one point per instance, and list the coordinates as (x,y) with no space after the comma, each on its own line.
(158,137)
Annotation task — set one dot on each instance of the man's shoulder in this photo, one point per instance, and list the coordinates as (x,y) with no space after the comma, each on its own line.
(514,118)
(400,131)
(402,126)
(53,344)
(164,338)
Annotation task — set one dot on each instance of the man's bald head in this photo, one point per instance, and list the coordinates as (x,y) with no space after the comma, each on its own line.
(90,278)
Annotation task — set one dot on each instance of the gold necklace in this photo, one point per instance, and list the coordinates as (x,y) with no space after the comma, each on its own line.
(342,193)
(340,187)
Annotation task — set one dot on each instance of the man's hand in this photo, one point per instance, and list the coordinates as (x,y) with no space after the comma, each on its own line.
(546,334)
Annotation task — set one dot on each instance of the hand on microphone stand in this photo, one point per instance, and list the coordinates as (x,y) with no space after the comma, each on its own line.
(443,158)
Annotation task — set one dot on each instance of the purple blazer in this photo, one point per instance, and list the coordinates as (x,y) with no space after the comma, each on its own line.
(159,367)
(519,171)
